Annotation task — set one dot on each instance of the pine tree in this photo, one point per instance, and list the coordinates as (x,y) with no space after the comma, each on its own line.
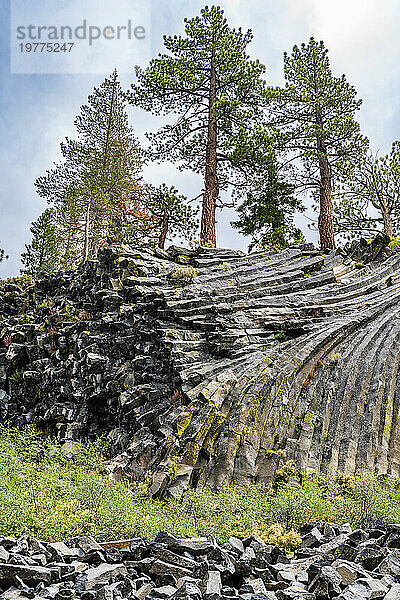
(41,255)
(98,171)
(70,227)
(172,216)
(213,87)
(315,112)
(267,213)
(374,184)
(138,226)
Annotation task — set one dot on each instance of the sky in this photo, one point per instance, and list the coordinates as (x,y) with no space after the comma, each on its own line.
(37,109)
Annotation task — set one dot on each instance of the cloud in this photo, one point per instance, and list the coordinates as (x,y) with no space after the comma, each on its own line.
(363,41)
(90,37)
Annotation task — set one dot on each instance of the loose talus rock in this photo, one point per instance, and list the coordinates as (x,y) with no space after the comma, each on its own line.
(332,562)
(203,366)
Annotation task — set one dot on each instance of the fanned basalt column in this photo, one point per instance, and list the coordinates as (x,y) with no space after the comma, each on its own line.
(202,365)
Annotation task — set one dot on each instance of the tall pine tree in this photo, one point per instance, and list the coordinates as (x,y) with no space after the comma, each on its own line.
(315,112)
(98,172)
(267,212)
(209,82)
(70,228)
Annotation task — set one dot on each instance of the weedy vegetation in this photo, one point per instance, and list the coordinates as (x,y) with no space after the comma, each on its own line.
(47,493)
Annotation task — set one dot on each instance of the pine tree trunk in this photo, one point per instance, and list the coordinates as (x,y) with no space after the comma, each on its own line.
(41,256)
(387,224)
(164,229)
(67,245)
(210,196)
(87,235)
(325,218)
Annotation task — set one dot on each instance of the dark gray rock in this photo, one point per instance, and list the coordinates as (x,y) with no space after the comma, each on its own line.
(390,565)
(116,347)
(28,574)
(165,591)
(189,591)
(167,568)
(312,539)
(371,558)
(143,591)
(101,575)
(324,581)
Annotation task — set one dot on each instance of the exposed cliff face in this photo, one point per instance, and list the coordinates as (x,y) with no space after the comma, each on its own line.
(204,383)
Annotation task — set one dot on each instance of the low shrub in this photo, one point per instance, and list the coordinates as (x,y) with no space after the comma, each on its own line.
(183,275)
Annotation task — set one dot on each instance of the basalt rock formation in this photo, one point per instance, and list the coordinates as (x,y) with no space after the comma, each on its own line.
(204,366)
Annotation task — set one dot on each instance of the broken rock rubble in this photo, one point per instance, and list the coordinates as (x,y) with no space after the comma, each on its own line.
(332,562)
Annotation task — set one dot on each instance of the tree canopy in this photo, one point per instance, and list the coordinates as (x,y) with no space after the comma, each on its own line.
(208,82)
(267,213)
(95,184)
(269,147)
(369,200)
(315,114)
(42,254)
(170,212)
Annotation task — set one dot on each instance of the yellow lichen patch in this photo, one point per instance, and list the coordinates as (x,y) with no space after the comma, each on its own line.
(184,419)
(247,417)
(361,404)
(238,443)
(169,442)
(193,451)
(213,433)
(308,421)
(210,441)
(238,436)
(279,388)
(252,413)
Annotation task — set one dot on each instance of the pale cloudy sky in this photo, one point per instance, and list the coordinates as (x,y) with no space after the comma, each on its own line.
(37,110)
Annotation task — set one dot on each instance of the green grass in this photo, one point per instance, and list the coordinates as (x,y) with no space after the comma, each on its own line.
(52,496)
